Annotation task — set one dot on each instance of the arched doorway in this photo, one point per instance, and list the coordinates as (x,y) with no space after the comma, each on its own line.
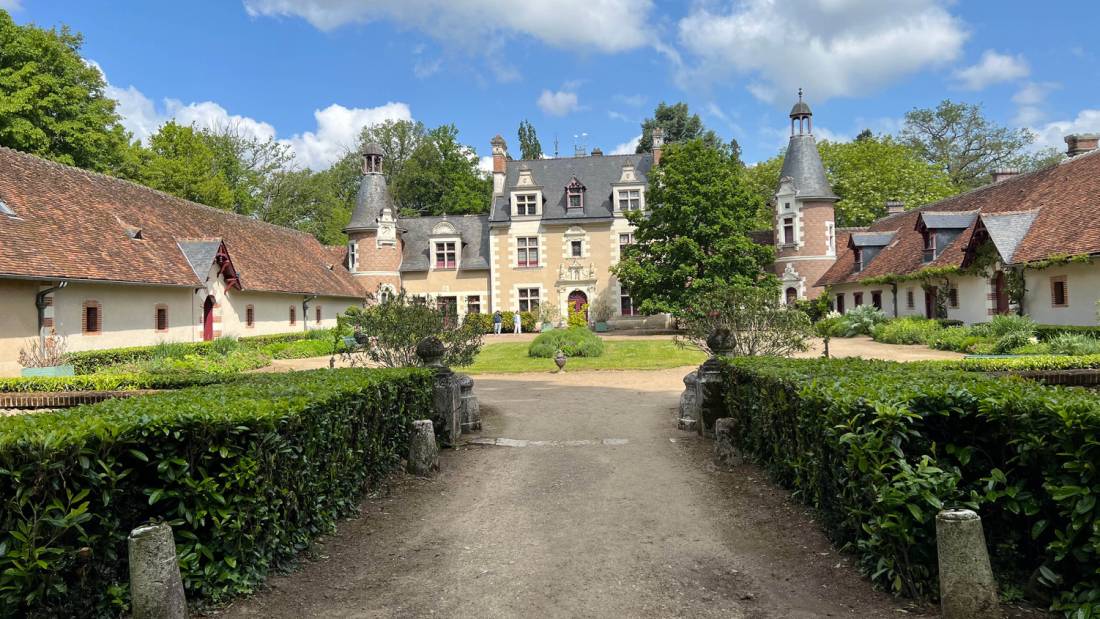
(792,295)
(577,302)
(208,319)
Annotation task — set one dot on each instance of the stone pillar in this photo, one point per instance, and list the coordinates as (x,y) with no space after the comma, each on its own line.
(471,407)
(156,588)
(446,392)
(725,446)
(423,450)
(967,588)
(689,403)
(712,392)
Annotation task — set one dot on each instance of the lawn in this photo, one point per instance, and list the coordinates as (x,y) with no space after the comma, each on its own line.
(511,357)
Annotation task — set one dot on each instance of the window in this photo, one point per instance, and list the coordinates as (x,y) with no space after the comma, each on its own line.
(953,297)
(353,257)
(528,299)
(576,200)
(92,318)
(626,304)
(788,231)
(473,304)
(317,315)
(859,259)
(574,194)
(929,246)
(830,238)
(445,255)
(857,298)
(1059,291)
(791,295)
(293,315)
(160,318)
(840,302)
(910,301)
(527,251)
(249,316)
(630,200)
(625,240)
(876,299)
(575,248)
(527,204)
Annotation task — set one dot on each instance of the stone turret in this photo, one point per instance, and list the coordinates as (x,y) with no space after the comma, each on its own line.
(374,240)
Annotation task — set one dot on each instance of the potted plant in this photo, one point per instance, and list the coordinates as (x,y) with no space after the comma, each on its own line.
(45,357)
(601,313)
(548,315)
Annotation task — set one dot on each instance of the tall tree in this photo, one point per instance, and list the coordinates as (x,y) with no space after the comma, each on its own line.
(680,125)
(52,102)
(180,161)
(960,140)
(399,139)
(442,176)
(695,233)
(529,145)
(306,201)
(247,163)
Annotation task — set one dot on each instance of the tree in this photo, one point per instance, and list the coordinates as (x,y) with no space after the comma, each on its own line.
(399,139)
(442,176)
(306,201)
(957,138)
(247,163)
(744,321)
(529,144)
(52,103)
(679,124)
(695,233)
(181,162)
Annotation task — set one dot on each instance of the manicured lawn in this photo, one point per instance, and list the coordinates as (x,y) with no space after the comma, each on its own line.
(511,357)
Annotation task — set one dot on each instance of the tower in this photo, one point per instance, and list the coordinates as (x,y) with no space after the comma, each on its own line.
(805,229)
(374,239)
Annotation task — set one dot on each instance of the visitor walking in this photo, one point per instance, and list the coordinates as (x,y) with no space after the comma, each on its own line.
(497,322)
(517,323)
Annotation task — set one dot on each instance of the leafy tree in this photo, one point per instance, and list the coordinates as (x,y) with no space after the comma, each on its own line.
(399,139)
(695,233)
(680,125)
(181,162)
(957,138)
(306,201)
(442,176)
(52,102)
(529,145)
(744,320)
(246,162)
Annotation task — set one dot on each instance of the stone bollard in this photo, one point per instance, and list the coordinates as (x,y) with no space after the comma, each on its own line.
(967,588)
(689,402)
(156,588)
(423,450)
(725,449)
(471,407)
(446,391)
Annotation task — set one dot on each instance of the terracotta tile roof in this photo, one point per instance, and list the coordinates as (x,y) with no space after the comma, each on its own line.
(337,254)
(1066,198)
(74,224)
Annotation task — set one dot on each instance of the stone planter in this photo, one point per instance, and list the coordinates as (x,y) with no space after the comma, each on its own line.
(602,327)
(560,360)
(54,370)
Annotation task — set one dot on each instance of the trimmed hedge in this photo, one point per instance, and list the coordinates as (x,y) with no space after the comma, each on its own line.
(879,449)
(528,321)
(574,342)
(108,382)
(301,349)
(1045,332)
(1027,363)
(247,474)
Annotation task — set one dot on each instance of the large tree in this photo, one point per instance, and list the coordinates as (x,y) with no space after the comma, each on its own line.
(680,125)
(247,163)
(52,102)
(694,234)
(181,162)
(306,201)
(442,176)
(529,145)
(399,139)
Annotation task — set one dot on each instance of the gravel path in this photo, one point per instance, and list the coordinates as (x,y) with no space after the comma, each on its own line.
(596,506)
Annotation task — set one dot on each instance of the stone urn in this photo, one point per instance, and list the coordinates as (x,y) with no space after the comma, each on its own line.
(720,342)
(560,359)
(430,351)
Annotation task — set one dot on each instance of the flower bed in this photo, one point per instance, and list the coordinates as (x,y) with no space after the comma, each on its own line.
(880,447)
(248,474)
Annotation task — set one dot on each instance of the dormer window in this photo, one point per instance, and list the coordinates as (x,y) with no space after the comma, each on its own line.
(630,200)
(859,260)
(929,246)
(788,231)
(574,194)
(527,204)
(445,255)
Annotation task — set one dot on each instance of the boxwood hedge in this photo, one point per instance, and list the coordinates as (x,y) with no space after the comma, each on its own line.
(879,448)
(246,473)
(109,382)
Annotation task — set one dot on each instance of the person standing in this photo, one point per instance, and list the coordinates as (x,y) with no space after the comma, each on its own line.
(517,323)
(497,322)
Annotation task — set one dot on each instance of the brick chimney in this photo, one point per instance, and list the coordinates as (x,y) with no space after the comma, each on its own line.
(596,152)
(500,160)
(893,207)
(1003,174)
(658,144)
(1081,143)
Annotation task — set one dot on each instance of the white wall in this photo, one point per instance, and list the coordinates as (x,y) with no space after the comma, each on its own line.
(18,321)
(1083,290)
(127,315)
(974,301)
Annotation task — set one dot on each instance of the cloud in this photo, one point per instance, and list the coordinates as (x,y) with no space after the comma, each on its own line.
(830,47)
(11,5)
(1030,98)
(613,115)
(993,68)
(485,164)
(631,100)
(338,128)
(558,103)
(603,25)
(1052,134)
(628,147)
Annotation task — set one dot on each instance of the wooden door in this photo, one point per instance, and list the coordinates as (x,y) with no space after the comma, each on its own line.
(930,302)
(577,301)
(1000,292)
(208,319)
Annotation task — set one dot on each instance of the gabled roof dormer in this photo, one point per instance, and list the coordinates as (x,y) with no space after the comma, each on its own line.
(444,246)
(574,195)
(628,193)
(1004,230)
(940,229)
(526,198)
(866,245)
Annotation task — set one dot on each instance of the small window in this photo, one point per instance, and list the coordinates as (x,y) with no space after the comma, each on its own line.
(575,194)
(857,299)
(92,319)
(526,204)
(1059,291)
(788,231)
(625,240)
(527,251)
(353,257)
(929,246)
(160,318)
(840,302)
(473,304)
(953,298)
(626,304)
(6,210)
(445,255)
(876,299)
(293,315)
(910,299)
(576,248)
(528,299)
(830,237)
(317,315)
(859,259)
(249,316)
(630,200)
(791,295)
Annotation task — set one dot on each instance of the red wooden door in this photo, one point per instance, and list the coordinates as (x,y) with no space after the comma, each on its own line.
(577,301)
(930,302)
(1000,292)
(208,319)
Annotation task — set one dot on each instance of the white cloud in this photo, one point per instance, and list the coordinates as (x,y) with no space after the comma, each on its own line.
(604,25)
(613,115)
(558,103)
(628,147)
(1029,100)
(485,164)
(11,5)
(338,128)
(631,100)
(993,68)
(1053,134)
(830,47)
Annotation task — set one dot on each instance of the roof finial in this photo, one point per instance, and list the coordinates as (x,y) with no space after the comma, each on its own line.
(800,93)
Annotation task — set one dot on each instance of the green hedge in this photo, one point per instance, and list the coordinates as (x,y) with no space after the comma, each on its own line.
(248,474)
(528,321)
(1027,363)
(108,382)
(574,342)
(1045,332)
(300,349)
(878,448)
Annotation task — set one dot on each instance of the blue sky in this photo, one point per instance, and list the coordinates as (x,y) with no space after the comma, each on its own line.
(312,72)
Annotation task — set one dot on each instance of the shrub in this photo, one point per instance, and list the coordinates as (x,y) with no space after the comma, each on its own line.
(302,349)
(1045,332)
(861,320)
(1030,363)
(483,323)
(1004,324)
(906,331)
(1011,341)
(1073,344)
(237,361)
(224,345)
(878,448)
(247,474)
(397,324)
(574,342)
(578,317)
(746,320)
(107,382)
(50,351)
(958,339)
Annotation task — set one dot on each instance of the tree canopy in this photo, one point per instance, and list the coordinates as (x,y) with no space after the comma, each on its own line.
(679,124)
(695,233)
(529,145)
(442,176)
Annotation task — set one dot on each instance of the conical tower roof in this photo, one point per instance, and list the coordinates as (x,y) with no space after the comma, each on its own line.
(802,164)
(374,195)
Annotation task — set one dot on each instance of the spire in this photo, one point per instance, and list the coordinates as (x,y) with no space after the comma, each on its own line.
(802,165)
(374,195)
(801,114)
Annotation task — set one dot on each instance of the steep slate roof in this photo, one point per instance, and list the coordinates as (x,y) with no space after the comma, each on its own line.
(200,254)
(597,173)
(1064,197)
(947,221)
(1007,230)
(373,196)
(473,229)
(871,239)
(73,224)
(802,164)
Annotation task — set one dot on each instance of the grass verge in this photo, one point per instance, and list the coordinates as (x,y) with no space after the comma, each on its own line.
(511,358)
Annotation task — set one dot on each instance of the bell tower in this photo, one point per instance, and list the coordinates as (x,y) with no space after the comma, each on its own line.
(805,220)
(374,238)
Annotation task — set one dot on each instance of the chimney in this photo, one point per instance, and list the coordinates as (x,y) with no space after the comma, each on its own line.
(596,152)
(500,159)
(893,207)
(1081,143)
(1003,174)
(658,144)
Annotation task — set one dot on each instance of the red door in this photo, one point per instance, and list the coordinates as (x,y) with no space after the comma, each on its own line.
(1000,292)
(577,301)
(930,302)
(208,319)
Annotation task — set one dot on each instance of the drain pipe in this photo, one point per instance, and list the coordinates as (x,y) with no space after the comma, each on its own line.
(305,311)
(40,303)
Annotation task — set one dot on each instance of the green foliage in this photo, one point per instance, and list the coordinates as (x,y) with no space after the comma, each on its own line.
(574,342)
(210,362)
(308,201)
(1046,332)
(247,474)
(302,349)
(578,317)
(909,330)
(817,308)
(442,176)
(1010,341)
(957,339)
(679,125)
(107,382)
(879,448)
(694,235)
(1028,363)
(861,320)
(52,102)
(1005,324)
(529,146)
(484,322)
(749,320)
(397,324)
